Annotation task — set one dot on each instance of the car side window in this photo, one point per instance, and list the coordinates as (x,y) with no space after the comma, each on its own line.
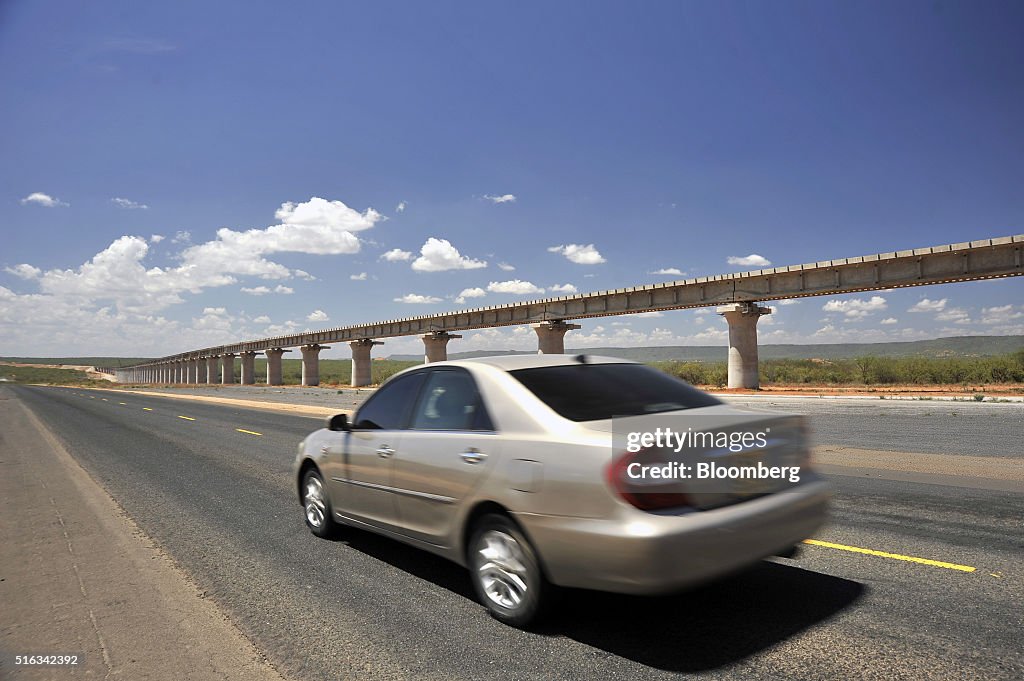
(450,401)
(389,407)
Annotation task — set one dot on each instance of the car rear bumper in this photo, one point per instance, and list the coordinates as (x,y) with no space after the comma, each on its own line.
(647,553)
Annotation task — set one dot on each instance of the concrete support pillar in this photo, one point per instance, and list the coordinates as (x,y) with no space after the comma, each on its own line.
(742,319)
(248,367)
(551,337)
(311,364)
(274,374)
(362,367)
(213,369)
(435,346)
(186,371)
(227,371)
(179,371)
(197,366)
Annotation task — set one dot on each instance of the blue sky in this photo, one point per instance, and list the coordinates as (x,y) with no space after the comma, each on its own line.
(177,175)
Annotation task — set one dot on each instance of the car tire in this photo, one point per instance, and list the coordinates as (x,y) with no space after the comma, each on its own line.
(506,572)
(316,507)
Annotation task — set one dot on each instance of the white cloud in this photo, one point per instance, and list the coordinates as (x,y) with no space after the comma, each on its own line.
(788,301)
(673,271)
(138,45)
(358,277)
(1001,314)
(316,227)
(41,199)
(438,255)
(182,237)
(579,253)
(323,218)
(504,198)
(128,204)
(400,208)
(752,260)
(262,319)
(396,254)
(957,315)
(653,313)
(927,305)
(156,238)
(303,274)
(563,288)
(417,299)
(514,286)
(264,290)
(24,271)
(889,320)
(856,308)
(475,292)
(317,316)
(506,267)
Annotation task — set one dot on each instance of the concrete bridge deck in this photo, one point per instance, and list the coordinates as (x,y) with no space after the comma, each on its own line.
(735,295)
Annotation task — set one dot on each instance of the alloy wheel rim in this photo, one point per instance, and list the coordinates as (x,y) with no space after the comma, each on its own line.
(315,505)
(501,569)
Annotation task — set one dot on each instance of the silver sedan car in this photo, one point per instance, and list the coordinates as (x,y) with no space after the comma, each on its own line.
(539,471)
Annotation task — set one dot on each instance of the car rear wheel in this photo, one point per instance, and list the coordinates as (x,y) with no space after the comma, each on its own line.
(316,506)
(506,573)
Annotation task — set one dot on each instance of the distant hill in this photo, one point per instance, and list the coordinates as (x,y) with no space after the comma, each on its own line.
(957,346)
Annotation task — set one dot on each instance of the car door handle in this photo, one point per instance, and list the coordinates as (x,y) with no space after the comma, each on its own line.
(473,455)
(384,451)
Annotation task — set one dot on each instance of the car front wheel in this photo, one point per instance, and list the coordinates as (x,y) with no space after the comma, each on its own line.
(315,505)
(506,572)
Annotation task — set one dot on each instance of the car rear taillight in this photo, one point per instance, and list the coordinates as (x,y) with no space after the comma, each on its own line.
(644,493)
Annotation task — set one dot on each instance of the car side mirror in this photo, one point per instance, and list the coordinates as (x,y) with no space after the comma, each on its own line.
(339,422)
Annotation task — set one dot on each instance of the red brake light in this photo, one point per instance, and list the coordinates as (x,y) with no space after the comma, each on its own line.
(645,497)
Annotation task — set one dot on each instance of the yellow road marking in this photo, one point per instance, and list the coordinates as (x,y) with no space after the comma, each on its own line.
(146,409)
(124,403)
(104,399)
(250,432)
(894,556)
(187,418)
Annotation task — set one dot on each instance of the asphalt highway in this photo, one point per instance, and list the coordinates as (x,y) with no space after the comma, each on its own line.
(909,580)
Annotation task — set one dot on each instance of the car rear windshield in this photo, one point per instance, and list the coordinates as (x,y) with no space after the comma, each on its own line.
(591,392)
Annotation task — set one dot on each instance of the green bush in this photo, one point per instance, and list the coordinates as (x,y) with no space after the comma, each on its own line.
(864,371)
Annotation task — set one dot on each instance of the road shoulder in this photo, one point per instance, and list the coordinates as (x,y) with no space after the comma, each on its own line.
(78,576)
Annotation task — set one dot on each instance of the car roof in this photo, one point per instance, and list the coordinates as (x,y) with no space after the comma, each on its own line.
(513,362)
